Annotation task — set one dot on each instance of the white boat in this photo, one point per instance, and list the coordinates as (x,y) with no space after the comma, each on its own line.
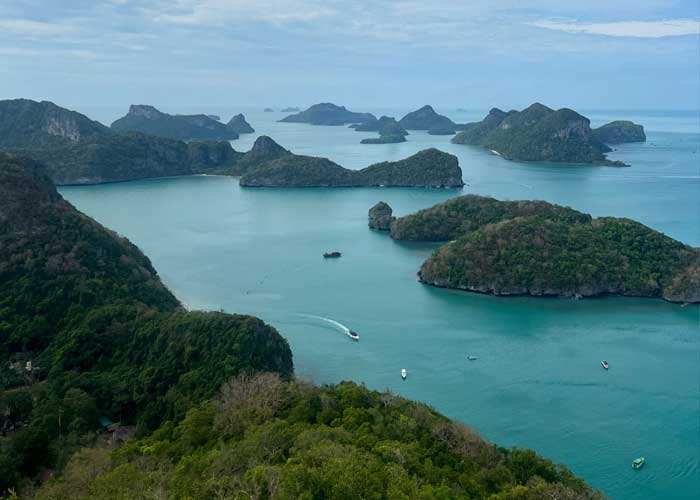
(471,358)
(605,365)
(404,373)
(353,335)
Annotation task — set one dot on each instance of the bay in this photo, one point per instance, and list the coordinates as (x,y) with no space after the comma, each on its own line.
(537,381)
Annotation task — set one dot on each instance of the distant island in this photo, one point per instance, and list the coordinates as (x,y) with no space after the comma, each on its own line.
(389,131)
(328,114)
(538,133)
(291,109)
(426,118)
(619,132)
(148,120)
(270,165)
(541,249)
(239,125)
(269,110)
(77,150)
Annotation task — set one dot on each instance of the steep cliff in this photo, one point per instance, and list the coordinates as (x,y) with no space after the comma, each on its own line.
(77,150)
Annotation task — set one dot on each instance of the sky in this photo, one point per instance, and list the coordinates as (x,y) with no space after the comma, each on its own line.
(591,54)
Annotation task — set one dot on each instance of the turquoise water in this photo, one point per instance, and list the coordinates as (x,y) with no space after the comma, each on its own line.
(537,381)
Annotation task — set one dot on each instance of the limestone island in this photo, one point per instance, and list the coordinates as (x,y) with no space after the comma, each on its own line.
(239,125)
(327,113)
(426,118)
(389,132)
(538,133)
(77,150)
(268,110)
(541,249)
(270,165)
(619,132)
(148,120)
(380,216)
(291,109)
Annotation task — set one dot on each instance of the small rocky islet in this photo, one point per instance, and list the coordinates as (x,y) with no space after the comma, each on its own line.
(380,216)
(539,133)
(239,125)
(541,249)
(389,131)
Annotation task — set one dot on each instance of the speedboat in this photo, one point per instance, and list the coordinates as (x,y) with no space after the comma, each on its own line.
(605,365)
(471,358)
(404,373)
(353,335)
(332,255)
(637,463)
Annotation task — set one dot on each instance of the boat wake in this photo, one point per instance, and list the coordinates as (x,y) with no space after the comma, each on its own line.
(330,321)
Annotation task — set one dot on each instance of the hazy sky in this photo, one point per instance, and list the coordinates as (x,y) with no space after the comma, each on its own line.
(364,53)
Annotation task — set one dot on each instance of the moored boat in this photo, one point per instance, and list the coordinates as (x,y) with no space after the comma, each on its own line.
(637,463)
(332,255)
(471,358)
(404,373)
(605,365)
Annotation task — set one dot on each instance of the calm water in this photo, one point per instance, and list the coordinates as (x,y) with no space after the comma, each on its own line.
(537,381)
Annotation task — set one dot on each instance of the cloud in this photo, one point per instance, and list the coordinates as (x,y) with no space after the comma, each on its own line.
(635,29)
(217,12)
(29,28)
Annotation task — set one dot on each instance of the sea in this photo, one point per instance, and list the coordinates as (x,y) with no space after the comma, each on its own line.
(537,381)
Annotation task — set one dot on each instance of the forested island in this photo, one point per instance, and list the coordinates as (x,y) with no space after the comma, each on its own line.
(239,125)
(270,165)
(539,133)
(619,132)
(92,340)
(541,249)
(426,118)
(327,113)
(77,150)
(389,131)
(149,120)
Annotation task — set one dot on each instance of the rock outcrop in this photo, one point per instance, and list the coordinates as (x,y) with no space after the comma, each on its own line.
(537,133)
(239,125)
(264,149)
(389,132)
(380,216)
(328,114)
(148,120)
(619,132)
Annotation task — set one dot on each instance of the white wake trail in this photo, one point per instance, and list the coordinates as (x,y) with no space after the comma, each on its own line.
(333,322)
